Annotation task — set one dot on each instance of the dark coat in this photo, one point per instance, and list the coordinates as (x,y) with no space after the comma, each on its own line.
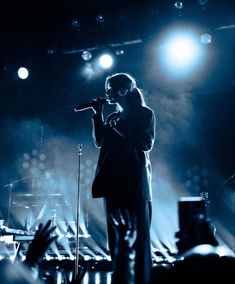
(123,170)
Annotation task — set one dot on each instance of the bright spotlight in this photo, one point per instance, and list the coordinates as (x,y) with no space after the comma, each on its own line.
(23,73)
(106,61)
(181,52)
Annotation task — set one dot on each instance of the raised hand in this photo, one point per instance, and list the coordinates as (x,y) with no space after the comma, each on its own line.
(125,227)
(41,242)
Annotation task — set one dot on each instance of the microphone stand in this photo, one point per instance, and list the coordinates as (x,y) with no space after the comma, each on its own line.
(78,211)
(9,204)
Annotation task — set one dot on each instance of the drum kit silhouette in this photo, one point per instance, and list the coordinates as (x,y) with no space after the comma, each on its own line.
(32,202)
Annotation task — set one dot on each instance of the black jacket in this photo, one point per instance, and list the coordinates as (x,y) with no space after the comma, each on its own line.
(123,170)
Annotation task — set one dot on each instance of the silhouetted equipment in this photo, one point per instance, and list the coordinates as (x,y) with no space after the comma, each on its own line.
(195,227)
(38,199)
(192,211)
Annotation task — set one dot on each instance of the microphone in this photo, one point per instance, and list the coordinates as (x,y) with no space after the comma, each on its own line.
(91,104)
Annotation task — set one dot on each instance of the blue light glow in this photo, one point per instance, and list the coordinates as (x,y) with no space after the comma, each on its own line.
(180,52)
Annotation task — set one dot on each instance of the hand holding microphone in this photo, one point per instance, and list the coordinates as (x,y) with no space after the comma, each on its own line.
(96,104)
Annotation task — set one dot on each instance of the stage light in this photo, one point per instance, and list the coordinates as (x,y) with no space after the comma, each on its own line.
(119,52)
(87,257)
(96,67)
(25,165)
(26,156)
(205,38)
(34,162)
(98,257)
(100,18)
(34,152)
(60,257)
(180,52)
(105,61)
(23,73)
(178,5)
(86,55)
(75,23)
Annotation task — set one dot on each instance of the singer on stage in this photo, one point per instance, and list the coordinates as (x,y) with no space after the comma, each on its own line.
(123,173)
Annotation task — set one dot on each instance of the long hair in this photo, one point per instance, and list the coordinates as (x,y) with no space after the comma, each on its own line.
(119,81)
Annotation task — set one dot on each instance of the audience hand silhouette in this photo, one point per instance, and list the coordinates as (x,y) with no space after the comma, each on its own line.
(41,242)
(125,228)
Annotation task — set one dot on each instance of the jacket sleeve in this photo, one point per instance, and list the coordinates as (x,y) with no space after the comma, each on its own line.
(98,129)
(140,132)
